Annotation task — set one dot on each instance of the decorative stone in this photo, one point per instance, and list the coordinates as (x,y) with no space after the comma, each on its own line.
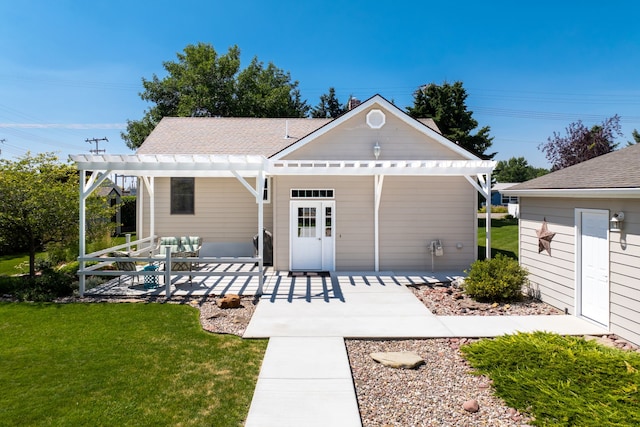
(471,406)
(229,301)
(398,359)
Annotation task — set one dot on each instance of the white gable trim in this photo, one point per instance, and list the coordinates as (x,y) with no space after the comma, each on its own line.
(588,193)
(377,100)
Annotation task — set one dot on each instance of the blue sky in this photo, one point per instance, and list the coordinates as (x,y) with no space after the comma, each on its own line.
(72,70)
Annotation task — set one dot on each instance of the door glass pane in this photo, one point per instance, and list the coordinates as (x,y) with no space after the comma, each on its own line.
(306,222)
(327,222)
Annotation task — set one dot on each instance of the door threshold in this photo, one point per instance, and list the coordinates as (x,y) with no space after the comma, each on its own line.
(309,274)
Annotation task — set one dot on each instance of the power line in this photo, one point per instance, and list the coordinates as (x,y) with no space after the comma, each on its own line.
(96,141)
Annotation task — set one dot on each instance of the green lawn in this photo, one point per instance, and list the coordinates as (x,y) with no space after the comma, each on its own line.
(561,381)
(504,237)
(121,364)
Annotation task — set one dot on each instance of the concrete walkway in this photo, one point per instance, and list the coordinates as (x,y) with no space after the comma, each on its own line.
(305,377)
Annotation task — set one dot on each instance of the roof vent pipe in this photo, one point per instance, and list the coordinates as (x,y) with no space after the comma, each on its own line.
(286,129)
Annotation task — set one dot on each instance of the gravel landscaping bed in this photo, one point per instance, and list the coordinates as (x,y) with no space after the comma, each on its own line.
(449,300)
(431,395)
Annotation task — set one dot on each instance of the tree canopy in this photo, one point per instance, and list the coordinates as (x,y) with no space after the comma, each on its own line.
(445,104)
(581,143)
(636,137)
(329,106)
(516,169)
(203,83)
(40,204)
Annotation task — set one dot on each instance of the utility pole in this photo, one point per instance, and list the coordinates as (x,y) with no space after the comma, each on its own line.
(96,141)
(2,141)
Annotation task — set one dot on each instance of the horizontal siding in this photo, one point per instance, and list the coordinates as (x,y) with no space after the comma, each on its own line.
(554,275)
(417,210)
(353,218)
(225,211)
(354,140)
(551,276)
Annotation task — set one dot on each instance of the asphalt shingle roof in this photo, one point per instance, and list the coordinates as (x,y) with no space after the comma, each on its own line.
(618,169)
(231,135)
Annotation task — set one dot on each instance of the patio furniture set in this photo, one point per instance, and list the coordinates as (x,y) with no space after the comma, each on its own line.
(181,248)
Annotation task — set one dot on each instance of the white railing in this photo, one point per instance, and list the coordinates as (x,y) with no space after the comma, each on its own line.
(163,262)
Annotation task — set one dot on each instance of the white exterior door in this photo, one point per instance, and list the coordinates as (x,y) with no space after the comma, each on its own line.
(593,264)
(312,235)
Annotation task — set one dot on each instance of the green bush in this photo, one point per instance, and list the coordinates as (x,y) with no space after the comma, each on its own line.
(494,209)
(497,279)
(45,287)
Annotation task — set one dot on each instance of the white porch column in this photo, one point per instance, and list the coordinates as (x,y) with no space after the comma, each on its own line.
(140,209)
(488,222)
(82,226)
(377,189)
(260,200)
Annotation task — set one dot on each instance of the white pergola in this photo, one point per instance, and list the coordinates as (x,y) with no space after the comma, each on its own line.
(147,167)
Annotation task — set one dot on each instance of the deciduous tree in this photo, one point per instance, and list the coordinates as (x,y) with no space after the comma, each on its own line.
(203,83)
(40,204)
(581,143)
(516,169)
(446,105)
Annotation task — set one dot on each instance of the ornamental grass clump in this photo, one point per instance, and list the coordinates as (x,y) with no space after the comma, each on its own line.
(497,279)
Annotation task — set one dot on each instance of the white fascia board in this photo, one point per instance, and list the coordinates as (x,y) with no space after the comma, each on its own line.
(623,193)
(386,167)
(388,107)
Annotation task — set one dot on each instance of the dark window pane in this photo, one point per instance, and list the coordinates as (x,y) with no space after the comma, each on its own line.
(182,196)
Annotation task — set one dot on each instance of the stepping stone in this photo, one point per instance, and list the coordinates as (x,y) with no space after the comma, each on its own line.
(398,359)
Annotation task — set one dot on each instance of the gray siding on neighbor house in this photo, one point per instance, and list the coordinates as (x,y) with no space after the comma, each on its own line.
(554,275)
(225,211)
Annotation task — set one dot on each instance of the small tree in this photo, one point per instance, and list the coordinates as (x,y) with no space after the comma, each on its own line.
(40,204)
(516,170)
(581,143)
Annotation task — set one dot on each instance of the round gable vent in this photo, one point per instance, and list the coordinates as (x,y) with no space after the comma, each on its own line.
(375,119)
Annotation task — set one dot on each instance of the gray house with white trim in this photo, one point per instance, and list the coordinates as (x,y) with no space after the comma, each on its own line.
(593,270)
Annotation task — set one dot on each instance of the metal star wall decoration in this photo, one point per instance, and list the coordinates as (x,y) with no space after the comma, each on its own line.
(544,238)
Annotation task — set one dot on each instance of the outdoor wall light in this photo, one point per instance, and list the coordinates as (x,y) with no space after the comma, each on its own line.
(376,150)
(615,223)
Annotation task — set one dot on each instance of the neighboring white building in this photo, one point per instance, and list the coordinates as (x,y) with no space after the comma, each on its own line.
(594,269)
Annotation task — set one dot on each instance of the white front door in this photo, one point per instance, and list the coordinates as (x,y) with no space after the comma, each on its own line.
(312,235)
(593,264)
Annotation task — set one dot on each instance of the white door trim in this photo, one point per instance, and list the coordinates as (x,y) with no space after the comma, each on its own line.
(579,267)
(327,251)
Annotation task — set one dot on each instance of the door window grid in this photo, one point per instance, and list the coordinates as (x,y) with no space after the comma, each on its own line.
(306,222)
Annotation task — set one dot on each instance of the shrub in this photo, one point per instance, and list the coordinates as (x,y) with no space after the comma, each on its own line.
(46,287)
(497,279)
(494,209)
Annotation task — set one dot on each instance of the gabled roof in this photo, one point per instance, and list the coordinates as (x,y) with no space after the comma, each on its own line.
(421,125)
(617,172)
(253,136)
(226,135)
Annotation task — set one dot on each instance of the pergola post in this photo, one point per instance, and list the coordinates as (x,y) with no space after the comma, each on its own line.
(260,200)
(488,221)
(377,189)
(82,233)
